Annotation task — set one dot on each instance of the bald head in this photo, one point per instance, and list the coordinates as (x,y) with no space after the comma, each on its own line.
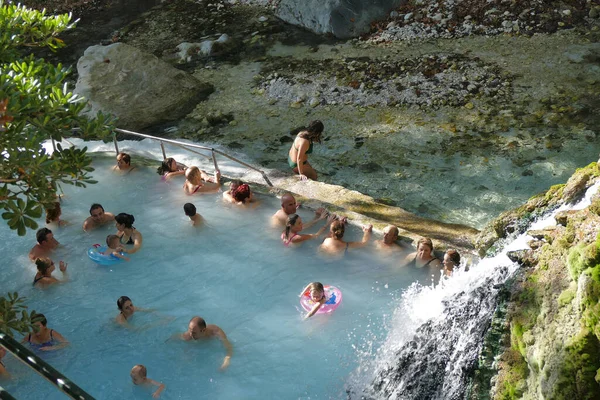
(288,204)
(390,234)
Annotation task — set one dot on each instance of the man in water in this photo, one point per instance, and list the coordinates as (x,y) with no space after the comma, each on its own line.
(45,244)
(98,217)
(289,207)
(198,330)
(388,242)
(123,163)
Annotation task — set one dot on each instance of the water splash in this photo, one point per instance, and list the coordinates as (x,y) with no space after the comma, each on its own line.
(436,332)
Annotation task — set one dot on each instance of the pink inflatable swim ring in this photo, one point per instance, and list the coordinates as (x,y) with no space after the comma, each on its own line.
(334,298)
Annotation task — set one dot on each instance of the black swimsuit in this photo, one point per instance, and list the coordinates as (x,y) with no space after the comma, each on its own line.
(413,263)
(130,241)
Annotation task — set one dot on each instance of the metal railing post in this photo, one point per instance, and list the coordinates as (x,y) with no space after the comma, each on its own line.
(43,368)
(116,143)
(212,152)
(162,147)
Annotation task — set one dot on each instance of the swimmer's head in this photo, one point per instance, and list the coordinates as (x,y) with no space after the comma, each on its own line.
(196,327)
(193,175)
(125,220)
(44,265)
(451,259)
(241,193)
(138,374)
(288,204)
(43,235)
(234,185)
(390,234)
(189,209)
(168,165)
(337,229)
(124,303)
(52,214)
(123,159)
(41,322)
(424,247)
(96,211)
(112,241)
(316,291)
(293,223)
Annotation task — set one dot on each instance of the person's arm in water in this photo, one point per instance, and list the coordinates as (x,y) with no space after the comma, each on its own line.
(320,213)
(169,175)
(314,309)
(137,244)
(221,335)
(366,236)
(157,392)
(60,339)
(302,237)
(119,255)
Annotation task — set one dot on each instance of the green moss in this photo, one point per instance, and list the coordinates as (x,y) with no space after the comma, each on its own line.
(512,379)
(582,257)
(578,374)
(566,296)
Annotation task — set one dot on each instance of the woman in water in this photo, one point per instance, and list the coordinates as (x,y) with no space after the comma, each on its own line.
(127,234)
(53,215)
(45,266)
(43,338)
(302,147)
(170,168)
(127,309)
(195,184)
(423,257)
(335,245)
(451,260)
(317,295)
(293,226)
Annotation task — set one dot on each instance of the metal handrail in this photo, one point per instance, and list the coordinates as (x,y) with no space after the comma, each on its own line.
(196,146)
(43,368)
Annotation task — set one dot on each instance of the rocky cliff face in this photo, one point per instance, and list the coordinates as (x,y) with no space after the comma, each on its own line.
(551,333)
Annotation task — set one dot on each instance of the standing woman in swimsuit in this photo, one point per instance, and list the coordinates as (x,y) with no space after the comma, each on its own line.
(44,339)
(293,226)
(301,147)
(423,257)
(127,234)
(335,245)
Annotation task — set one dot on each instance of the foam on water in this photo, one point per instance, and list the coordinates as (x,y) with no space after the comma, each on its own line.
(234,272)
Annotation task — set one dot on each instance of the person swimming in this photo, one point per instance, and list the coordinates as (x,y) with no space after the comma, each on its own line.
(198,330)
(97,217)
(123,163)
(170,168)
(138,376)
(43,338)
(45,266)
(190,210)
(335,243)
(127,234)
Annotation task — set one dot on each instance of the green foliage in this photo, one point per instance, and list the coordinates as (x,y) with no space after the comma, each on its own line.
(36,106)
(14,316)
(581,361)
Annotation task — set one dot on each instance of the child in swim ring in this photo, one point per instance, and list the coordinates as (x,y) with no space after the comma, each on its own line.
(138,376)
(113,247)
(316,294)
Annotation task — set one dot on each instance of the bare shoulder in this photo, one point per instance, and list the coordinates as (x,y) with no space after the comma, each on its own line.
(215,330)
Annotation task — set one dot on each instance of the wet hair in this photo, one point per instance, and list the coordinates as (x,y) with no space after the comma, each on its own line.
(121,302)
(41,318)
(192,173)
(53,213)
(313,131)
(454,256)
(189,209)
(41,235)
(141,368)
(110,239)
(241,193)
(425,241)
(165,166)
(200,322)
(43,264)
(125,157)
(236,183)
(316,286)
(95,206)
(125,219)
(291,221)
(337,229)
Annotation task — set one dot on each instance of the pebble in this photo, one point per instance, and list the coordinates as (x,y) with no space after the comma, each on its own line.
(408,16)
(262,19)
(566,12)
(314,102)
(469,106)
(394,14)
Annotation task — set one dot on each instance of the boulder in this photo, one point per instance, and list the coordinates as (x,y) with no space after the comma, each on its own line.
(136,87)
(342,18)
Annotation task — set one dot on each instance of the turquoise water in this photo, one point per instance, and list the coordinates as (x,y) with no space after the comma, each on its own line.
(233,271)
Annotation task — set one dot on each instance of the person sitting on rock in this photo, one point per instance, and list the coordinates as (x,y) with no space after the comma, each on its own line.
(302,147)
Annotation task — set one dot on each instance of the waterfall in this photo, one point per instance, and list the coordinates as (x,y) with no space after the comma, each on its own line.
(436,333)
